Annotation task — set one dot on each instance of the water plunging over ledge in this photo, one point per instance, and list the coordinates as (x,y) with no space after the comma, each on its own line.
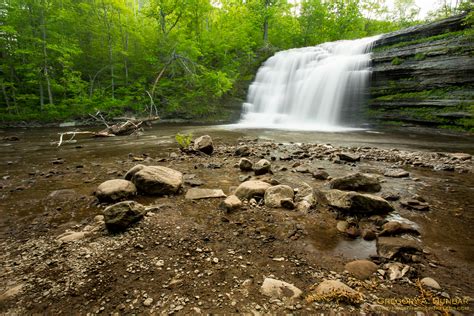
(311,88)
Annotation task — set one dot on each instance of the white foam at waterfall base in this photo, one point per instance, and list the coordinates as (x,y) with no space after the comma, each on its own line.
(310,88)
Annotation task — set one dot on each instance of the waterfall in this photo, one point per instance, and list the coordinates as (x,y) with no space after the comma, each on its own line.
(310,88)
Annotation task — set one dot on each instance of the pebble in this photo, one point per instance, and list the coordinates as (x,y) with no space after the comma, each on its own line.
(148,301)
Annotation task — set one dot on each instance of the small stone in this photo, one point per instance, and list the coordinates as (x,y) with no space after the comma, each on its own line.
(342,226)
(368,234)
(287,203)
(117,189)
(356,182)
(416,205)
(120,216)
(302,206)
(148,301)
(242,151)
(357,202)
(275,194)
(361,269)
(262,166)
(397,228)
(196,194)
(245,164)
(396,173)
(429,282)
(252,188)
(349,157)
(231,203)
(204,144)
(155,180)
(279,289)
(320,175)
(71,236)
(392,247)
(329,287)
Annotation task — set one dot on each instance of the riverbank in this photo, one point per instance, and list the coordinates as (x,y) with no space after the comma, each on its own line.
(189,256)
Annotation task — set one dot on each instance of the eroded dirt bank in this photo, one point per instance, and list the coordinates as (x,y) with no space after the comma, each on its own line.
(190,256)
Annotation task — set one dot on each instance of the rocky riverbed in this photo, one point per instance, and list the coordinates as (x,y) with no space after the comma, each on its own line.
(243,226)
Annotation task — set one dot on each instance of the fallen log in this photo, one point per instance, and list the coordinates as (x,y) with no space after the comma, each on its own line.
(125,128)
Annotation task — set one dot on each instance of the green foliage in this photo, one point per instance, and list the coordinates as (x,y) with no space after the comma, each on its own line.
(64,59)
(184,140)
(420,56)
(397,61)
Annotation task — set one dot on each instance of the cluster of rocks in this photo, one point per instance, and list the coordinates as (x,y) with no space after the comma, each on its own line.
(357,200)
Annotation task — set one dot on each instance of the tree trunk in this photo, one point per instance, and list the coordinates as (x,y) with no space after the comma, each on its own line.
(45,57)
(41,96)
(265,22)
(126,59)
(5,96)
(108,25)
(265,30)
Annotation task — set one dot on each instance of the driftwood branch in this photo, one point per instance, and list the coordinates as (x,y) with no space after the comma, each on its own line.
(98,117)
(125,128)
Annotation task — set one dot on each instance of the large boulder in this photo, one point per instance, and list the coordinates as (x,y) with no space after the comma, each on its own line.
(252,188)
(394,247)
(120,216)
(274,195)
(204,144)
(155,180)
(279,289)
(356,182)
(361,269)
(262,166)
(113,190)
(355,202)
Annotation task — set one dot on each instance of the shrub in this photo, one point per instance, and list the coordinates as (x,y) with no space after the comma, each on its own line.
(184,140)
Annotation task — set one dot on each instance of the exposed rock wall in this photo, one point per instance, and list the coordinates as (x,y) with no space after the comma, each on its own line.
(425,75)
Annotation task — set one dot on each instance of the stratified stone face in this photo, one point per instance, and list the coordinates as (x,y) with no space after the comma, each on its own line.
(413,70)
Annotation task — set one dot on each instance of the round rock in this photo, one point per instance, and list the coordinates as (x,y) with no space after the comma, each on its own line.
(361,269)
(252,188)
(245,164)
(117,189)
(274,195)
(262,167)
(156,180)
(204,144)
(429,282)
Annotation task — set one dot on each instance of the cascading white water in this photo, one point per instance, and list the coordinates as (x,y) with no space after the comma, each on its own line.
(309,88)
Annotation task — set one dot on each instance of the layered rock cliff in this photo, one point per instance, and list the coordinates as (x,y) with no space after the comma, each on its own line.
(424,75)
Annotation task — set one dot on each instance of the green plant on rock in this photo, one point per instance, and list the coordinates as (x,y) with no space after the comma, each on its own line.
(184,140)
(420,56)
(397,61)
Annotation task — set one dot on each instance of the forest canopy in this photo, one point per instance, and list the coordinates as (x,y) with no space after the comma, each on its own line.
(62,59)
